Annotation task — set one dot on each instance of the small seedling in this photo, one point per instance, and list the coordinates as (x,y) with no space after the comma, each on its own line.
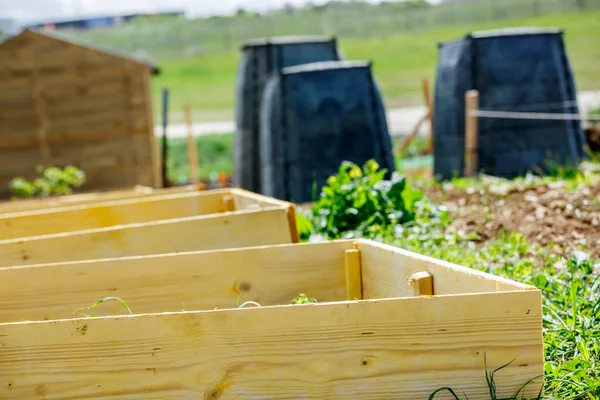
(304,299)
(96,304)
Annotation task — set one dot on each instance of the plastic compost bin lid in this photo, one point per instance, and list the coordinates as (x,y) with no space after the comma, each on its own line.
(286,40)
(325,66)
(507,32)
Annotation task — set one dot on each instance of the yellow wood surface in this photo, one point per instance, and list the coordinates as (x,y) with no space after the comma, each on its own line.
(382,282)
(422,282)
(162,283)
(377,350)
(244,199)
(121,212)
(89,198)
(227,230)
(353,275)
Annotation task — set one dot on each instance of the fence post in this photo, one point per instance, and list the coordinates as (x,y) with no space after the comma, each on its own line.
(165,145)
(471,133)
(192,149)
(429,104)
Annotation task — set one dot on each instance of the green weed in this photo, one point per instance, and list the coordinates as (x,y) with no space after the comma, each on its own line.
(53,181)
(96,304)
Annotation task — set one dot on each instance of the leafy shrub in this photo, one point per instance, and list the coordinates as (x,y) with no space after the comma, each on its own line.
(360,203)
(54,181)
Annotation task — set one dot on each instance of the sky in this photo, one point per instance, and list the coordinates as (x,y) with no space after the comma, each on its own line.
(35,10)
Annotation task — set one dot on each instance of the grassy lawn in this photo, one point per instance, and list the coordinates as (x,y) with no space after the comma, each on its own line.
(215,154)
(208,82)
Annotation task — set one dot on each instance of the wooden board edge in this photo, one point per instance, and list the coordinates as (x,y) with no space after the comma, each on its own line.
(530,337)
(139,225)
(518,286)
(259,197)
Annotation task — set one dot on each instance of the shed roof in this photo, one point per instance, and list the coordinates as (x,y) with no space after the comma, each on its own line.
(62,37)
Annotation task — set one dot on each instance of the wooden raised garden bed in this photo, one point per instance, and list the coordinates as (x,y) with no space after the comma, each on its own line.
(22,205)
(128,211)
(389,324)
(207,220)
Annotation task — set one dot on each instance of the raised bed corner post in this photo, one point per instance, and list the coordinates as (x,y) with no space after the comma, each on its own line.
(353,275)
(471,133)
(228,203)
(422,282)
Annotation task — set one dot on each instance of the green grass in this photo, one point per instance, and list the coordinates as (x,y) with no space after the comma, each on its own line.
(207,82)
(215,154)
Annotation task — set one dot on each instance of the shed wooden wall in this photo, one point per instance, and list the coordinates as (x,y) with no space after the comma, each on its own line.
(63,104)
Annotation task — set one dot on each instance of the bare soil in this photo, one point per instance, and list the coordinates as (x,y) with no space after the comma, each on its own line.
(548,214)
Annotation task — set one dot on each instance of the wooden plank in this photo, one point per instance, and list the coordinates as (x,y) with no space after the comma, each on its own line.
(205,232)
(385,349)
(42,119)
(244,199)
(92,103)
(90,198)
(119,212)
(387,271)
(171,282)
(156,177)
(353,275)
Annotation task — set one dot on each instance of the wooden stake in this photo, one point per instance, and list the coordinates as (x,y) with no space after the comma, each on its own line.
(429,104)
(353,275)
(406,142)
(471,133)
(191,147)
(229,203)
(422,282)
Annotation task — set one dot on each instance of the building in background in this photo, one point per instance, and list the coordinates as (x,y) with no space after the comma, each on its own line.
(99,21)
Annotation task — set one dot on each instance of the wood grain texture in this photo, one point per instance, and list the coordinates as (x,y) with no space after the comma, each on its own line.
(228,230)
(353,275)
(120,212)
(91,198)
(377,350)
(170,283)
(381,281)
(79,95)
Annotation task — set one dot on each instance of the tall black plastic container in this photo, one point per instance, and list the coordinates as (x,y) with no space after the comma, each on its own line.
(260,58)
(516,70)
(314,117)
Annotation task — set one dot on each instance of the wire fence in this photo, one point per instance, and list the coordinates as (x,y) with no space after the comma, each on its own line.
(358,20)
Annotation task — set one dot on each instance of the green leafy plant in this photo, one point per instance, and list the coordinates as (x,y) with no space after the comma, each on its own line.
(304,299)
(359,202)
(54,181)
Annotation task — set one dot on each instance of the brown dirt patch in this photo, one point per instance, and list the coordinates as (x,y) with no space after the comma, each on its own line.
(546,214)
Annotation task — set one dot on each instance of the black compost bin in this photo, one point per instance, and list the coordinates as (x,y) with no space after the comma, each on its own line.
(514,70)
(259,58)
(314,117)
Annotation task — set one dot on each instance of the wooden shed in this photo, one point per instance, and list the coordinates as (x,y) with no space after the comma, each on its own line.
(67,103)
